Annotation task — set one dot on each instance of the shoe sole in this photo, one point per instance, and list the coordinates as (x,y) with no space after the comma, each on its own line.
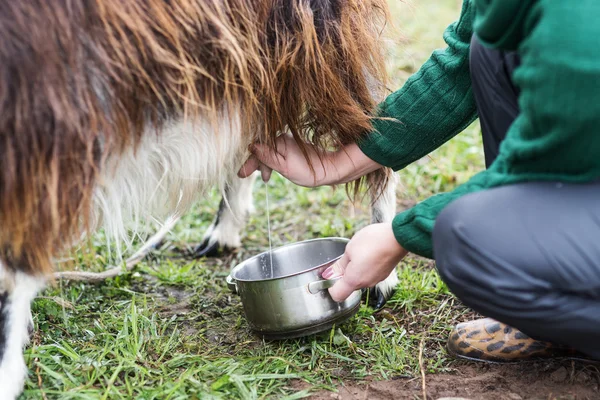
(522,360)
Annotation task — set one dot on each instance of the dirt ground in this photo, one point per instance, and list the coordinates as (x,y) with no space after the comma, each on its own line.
(541,380)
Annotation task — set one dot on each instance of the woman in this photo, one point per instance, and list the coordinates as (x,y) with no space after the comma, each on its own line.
(520,241)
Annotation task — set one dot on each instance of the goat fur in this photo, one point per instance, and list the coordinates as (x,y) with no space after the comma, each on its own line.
(89,89)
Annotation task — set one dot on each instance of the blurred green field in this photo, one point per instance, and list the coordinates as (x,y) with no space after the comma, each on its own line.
(172,330)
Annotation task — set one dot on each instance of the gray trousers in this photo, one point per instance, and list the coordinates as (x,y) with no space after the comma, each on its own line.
(526,254)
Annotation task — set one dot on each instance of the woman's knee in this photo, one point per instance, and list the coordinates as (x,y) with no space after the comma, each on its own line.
(456,233)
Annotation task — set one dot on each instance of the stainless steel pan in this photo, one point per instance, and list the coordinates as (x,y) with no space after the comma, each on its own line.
(292,300)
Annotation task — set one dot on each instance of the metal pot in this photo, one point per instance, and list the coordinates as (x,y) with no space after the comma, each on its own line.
(291,299)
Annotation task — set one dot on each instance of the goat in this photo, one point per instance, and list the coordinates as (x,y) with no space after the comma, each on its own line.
(117,112)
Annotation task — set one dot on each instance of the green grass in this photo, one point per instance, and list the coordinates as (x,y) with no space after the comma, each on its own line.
(172,330)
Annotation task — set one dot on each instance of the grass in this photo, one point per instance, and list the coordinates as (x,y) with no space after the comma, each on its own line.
(172,330)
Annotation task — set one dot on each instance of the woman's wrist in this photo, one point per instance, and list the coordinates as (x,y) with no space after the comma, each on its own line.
(349,164)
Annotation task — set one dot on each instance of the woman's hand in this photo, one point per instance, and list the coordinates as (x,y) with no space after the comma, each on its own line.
(332,168)
(370,257)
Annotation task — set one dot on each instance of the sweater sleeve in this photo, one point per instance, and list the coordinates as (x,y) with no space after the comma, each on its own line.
(434,105)
(413,228)
(554,138)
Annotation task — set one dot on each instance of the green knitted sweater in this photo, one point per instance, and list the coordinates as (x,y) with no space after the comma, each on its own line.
(555,137)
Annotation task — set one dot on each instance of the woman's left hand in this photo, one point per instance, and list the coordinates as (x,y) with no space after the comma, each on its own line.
(370,256)
(332,168)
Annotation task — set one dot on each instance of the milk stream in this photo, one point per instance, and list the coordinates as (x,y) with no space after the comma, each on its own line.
(269,230)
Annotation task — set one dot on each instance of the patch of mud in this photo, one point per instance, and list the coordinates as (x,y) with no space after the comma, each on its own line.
(173,300)
(547,381)
(213,317)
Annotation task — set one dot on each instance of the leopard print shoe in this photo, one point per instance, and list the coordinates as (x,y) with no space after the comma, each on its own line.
(491,341)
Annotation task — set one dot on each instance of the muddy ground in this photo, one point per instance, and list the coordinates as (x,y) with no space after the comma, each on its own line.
(537,380)
(544,380)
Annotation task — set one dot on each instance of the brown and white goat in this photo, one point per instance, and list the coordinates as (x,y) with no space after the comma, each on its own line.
(116,112)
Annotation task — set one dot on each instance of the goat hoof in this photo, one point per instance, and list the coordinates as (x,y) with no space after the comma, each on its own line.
(375,298)
(381,299)
(207,249)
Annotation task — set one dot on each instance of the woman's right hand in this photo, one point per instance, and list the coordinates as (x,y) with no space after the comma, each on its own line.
(370,257)
(331,168)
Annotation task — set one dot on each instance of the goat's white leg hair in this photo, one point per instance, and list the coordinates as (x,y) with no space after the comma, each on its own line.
(231,218)
(384,210)
(17,290)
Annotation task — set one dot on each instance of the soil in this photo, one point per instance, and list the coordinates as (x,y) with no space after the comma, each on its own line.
(547,381)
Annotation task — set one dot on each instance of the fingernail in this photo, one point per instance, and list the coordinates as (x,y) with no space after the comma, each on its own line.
(330,273)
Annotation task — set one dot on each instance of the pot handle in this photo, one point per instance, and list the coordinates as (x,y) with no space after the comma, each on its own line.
(231,284)
(316,287)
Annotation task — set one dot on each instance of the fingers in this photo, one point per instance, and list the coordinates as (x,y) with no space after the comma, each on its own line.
(337,269)
(270,158)
(265,172)
(341,290)
(265,160)
(251,165)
